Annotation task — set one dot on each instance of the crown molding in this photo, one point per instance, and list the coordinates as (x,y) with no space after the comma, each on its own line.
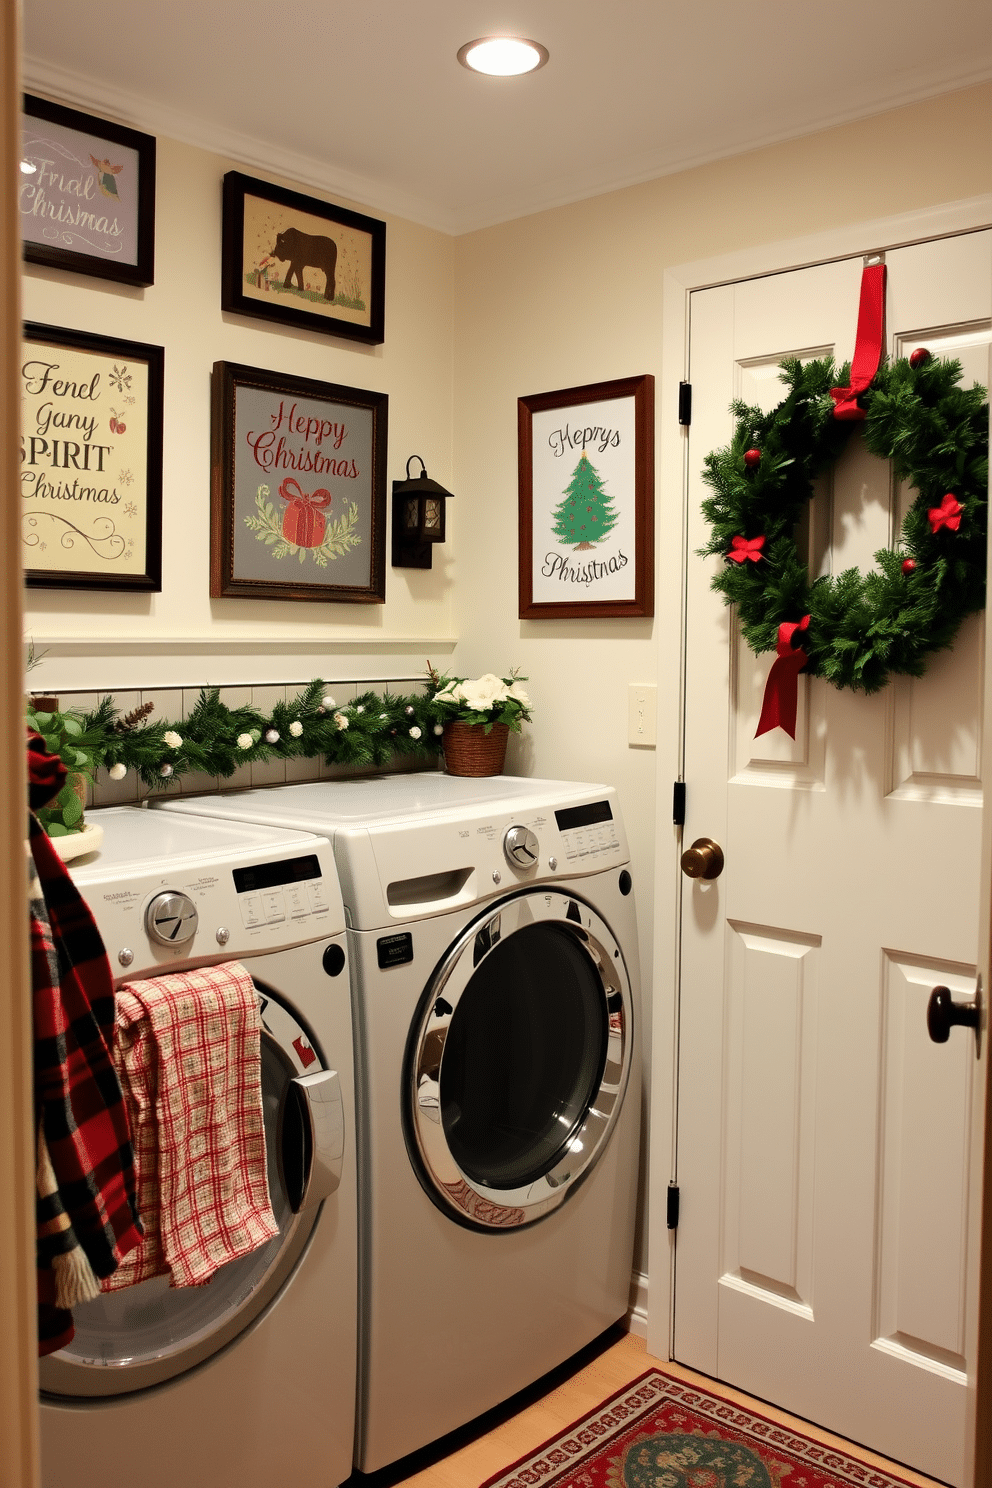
(65,86)
(139,112)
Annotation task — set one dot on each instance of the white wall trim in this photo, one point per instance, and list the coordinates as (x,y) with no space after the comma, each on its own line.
(109,663)
(637,1312)
(946,219)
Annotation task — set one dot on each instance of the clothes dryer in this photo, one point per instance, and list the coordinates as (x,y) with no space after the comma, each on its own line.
(249,1380)
(494,970)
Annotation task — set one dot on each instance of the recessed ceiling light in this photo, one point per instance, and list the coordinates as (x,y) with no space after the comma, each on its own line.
(502,56)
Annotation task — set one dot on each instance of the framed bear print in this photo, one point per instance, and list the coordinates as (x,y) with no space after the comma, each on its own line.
(298,488)
(303,262)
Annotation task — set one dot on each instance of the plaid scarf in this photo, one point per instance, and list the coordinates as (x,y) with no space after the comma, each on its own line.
(86,1194)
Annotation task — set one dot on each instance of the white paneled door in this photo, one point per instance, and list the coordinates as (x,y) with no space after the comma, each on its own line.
(823,1140)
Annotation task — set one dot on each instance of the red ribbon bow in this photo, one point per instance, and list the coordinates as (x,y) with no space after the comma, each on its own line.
(746,547)
(947,514)
(781,701)
(868,345)
(303,520)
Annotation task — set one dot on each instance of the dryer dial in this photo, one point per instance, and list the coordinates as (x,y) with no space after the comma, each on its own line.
(171,919)
(521,847)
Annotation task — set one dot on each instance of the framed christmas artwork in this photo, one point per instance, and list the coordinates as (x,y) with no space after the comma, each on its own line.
(91,460)
(298,488)
(586,501)
(301,261)
(86,194)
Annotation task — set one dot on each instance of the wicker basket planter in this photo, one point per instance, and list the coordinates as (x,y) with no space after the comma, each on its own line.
(469,750)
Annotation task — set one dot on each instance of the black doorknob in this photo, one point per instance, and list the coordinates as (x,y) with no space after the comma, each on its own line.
(943,1013)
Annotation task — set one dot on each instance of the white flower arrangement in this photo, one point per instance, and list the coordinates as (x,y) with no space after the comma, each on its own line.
(245,741)
(296,728)
(481,700)
(171,738)
(341,720)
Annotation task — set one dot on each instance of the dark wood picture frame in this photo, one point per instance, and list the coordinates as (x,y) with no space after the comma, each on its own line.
(617,423)
(257,282)
(259,548)
(76,468)
(69,195)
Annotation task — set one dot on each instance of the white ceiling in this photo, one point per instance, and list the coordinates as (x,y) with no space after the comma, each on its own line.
(366,99)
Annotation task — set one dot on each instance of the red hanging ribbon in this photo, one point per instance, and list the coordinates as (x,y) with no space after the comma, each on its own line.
(303,520)
(868,346)
(781,701)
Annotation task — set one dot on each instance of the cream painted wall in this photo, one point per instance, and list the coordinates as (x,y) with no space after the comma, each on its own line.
(574,296)
(549,301)
(181,312)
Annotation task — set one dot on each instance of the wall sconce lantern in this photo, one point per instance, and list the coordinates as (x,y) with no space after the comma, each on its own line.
(418,518)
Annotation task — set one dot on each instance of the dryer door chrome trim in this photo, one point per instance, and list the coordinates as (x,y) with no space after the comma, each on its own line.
(576,938)
(149,1334)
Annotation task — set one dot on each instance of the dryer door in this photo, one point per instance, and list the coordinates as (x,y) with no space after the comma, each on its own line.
(150,1333)
(518,1060)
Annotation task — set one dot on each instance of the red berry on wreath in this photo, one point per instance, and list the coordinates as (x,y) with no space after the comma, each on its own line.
(752,458)
(919,357)
(908,565)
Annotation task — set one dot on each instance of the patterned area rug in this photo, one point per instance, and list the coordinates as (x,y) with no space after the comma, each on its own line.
(660,1432)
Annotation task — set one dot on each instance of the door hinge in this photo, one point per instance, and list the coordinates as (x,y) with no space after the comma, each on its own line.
(678,803)
(673,1206)
(685,402)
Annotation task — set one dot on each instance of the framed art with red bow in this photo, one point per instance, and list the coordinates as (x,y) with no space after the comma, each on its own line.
(298,488)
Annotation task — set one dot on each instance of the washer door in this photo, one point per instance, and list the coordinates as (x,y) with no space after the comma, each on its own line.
(518,1060)
(146,1334)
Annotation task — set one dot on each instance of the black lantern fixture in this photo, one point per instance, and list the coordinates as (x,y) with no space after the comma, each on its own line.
(418,518)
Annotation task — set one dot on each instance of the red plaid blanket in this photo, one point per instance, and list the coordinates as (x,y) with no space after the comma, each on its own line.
(187,1051)
(78,1101)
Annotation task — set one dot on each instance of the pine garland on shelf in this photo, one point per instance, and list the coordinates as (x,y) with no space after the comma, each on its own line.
(860,628)
(215,739)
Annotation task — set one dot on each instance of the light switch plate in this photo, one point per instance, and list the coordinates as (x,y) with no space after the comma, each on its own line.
(642,714)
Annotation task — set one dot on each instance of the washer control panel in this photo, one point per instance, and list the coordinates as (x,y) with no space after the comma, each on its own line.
(272,893)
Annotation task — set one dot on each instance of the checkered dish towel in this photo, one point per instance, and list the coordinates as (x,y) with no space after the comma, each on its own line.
(186,1049)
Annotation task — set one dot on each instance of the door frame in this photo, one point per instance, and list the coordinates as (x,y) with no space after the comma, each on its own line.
(672,559)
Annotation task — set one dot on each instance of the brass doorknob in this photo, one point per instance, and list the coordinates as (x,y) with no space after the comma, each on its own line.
(704,859)
(943,1014)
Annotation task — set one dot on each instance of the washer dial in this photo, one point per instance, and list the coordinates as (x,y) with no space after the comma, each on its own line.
(521,847)
(171,919)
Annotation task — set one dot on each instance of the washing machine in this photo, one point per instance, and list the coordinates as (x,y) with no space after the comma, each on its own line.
(250,1379)
(494,964)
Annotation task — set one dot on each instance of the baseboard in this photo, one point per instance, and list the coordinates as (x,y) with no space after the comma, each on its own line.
(637,1313)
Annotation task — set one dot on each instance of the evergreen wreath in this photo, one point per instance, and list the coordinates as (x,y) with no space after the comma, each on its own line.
(860,628)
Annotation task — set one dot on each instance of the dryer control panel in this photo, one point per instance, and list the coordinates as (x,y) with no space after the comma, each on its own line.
(589,833)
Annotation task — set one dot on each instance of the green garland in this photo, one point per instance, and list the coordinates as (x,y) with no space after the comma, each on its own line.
(862,628)
(215,739)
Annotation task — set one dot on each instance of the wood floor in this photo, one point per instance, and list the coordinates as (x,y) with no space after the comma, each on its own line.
(467,1458)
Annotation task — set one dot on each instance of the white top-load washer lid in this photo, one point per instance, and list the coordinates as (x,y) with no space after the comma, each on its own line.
(408,846)
(165,887)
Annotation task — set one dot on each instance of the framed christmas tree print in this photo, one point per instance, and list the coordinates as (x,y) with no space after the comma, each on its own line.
(298,488)
(586,501)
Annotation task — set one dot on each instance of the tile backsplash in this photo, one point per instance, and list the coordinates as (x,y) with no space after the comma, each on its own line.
(175,703)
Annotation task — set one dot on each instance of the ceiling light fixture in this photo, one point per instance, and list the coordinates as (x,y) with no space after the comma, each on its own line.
(502,56)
